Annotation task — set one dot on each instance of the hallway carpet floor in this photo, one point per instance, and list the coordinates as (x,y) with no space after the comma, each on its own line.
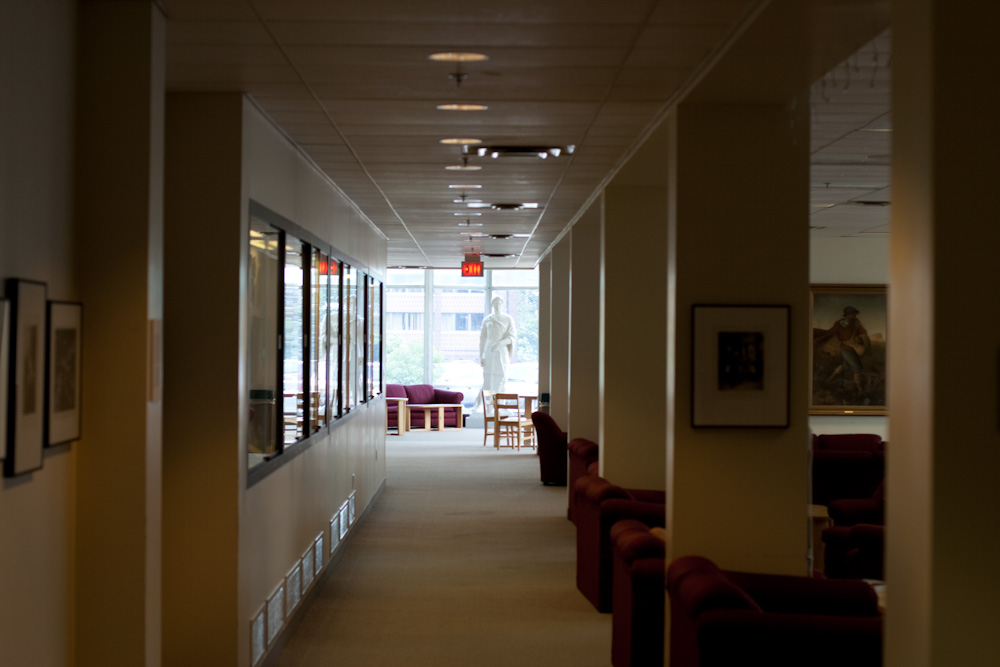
(465,560)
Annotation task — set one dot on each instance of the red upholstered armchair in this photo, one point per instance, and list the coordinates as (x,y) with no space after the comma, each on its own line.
(583,460)
(418,394)
(846,465)
(598,506)
(720,618)
(637,597)
(551,449)
(854,546)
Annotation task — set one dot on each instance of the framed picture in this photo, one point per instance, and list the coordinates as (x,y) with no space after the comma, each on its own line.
(26,380)
(848,349)
(62,399)
(740,366)
(4,371)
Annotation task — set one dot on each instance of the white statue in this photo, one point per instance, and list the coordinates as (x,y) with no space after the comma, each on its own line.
(496,345)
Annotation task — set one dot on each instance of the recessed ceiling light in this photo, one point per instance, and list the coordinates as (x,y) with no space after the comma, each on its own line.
(461,141)
(464,186)
(458,57)
(463,200)
(469,223)
(466,214)
(462,107)
(463,167)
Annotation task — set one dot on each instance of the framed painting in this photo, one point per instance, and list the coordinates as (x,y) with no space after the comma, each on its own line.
(26,379)
(740,366)
(62,399)
(848,349)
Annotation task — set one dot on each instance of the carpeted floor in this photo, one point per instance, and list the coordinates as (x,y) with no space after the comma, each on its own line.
(466,559)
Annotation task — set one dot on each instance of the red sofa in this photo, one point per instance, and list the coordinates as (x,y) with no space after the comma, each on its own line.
(423,394)
(639,574)
(720,619)
(599,505)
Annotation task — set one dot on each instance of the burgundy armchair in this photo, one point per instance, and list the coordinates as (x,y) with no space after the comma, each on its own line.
(424,394)
(583,460)
(720,618)
(599,505)
(854,547)
(638,579)
(551,449)
(848,465)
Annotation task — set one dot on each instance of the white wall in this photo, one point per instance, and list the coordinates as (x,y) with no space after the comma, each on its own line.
(849,261)
(36,236)
(282,514)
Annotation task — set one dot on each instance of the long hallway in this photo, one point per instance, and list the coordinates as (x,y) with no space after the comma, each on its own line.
(466,559)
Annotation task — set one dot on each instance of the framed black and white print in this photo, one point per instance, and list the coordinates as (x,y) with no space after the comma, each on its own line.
(63,393)
(740,366)
(26,382)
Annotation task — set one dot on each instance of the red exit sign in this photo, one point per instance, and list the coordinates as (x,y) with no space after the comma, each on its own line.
(472,269)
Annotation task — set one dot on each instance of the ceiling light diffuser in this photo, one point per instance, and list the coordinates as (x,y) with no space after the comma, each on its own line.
(461,141)
(458,57)
(462,107)
(463,167)
(463,186)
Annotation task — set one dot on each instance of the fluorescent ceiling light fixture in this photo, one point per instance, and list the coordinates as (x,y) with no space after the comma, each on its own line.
(461,141)
(461,186)
(469,223)
(478,204)
(463,200)
(467,213)
(458,57)
(462,107)
(463,167)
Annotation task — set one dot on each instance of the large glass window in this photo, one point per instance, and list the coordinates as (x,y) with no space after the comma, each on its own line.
(404,327)
(262,339)
(319,338)
(350,360)
(293,384)
(314,330)
(456,312)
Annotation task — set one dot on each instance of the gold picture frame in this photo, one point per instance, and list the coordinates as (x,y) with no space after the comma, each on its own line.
(847,350)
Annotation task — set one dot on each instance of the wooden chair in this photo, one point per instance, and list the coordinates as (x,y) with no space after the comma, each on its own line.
(489,415)
(511,423)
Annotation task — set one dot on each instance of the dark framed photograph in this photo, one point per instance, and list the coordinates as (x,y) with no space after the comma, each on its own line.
(740,366)
(26,380)
(848,349)
(62,400)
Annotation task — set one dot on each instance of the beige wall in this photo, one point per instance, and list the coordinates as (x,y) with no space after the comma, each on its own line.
(36,510)
(228,545)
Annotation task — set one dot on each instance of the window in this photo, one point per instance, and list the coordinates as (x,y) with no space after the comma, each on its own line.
(293,341)
(309,357)
(456,311)
(262,339)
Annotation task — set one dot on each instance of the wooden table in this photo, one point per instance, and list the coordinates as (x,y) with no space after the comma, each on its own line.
(427,407)
(402,416)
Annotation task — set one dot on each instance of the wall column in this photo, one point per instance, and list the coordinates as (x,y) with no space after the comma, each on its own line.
(560,348)
(545,327)
(943,356)
(633,320)
(120,204)
(585,289)
(739,495)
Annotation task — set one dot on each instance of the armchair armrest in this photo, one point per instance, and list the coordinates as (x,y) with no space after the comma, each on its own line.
(784,594)
(851,511)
